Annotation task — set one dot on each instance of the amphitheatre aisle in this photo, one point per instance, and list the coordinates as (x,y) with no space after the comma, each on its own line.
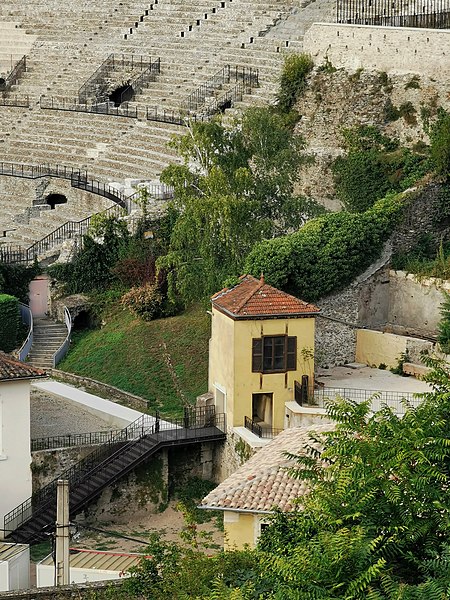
(193,41)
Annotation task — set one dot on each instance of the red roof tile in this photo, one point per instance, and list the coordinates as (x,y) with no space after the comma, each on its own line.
(253,297)
(11,369)
(263,482)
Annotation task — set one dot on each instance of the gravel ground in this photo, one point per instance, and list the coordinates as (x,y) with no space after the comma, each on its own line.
(54,416)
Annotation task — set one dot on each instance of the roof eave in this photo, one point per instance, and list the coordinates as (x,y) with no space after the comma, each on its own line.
(24,378)
(239,510)
(262,316)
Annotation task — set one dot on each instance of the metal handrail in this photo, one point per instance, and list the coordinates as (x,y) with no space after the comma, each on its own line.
(27,318)
(72,439)
(262,431)
(146,425)
(248,75)
(392,398)
(16,72)
(19,101)
(64,348)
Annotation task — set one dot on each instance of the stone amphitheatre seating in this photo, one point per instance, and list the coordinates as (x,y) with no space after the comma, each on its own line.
(194,40)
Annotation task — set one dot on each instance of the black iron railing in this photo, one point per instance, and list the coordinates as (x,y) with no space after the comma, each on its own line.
(379,398)
(226,75)
(19,101)
(99,108)
(433,14)
(125,449)
(262,431)
(96,87)
(12,77)
(73,439)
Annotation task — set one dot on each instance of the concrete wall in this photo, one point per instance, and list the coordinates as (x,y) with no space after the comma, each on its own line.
(376,347)
(415,306)
(15,456)
(390,49)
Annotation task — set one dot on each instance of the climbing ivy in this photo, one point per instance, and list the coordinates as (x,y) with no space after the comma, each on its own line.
(9,322)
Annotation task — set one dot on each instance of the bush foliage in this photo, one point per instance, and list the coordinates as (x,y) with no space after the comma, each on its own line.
(145,301)
(326,253)
(293,80)
(374,165)
(9,322)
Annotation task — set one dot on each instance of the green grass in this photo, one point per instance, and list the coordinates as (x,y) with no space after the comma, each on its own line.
(40,551)
(131,354)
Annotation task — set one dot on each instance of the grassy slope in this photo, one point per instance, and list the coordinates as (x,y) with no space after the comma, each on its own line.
(130,354)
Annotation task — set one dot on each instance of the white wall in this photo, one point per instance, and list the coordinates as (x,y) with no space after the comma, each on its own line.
(15,455)
(390,49)
(15,572)
(46,575)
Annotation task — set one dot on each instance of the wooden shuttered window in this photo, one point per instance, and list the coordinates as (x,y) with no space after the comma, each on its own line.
(274,354)
(257,355)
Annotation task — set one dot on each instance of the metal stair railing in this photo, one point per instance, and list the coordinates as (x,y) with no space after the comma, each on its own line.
(13,76)
(247,75)
(69,229)
(115,452)
(45,495)
(199,95)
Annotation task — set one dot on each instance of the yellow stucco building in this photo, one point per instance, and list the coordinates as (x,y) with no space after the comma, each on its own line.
(249,496)
(262,343)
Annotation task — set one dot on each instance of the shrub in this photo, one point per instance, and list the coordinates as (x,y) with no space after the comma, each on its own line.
(145,301)
(135,271)
(9,322)
(293,80)
(326,253)
(15,280)
(444,324)
(440,143)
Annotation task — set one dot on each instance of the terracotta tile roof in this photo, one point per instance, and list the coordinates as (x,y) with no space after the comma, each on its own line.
(11,369)
(253,297)
(263,483)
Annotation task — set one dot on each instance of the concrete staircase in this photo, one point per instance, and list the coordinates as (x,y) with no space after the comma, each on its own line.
(48,336)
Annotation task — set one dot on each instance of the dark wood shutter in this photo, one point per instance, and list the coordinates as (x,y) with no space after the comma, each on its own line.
(291,353)
(257,355)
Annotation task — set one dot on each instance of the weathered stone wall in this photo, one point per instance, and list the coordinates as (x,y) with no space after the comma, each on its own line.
(231,455)
(415,306)
(336,99)
(146,489)
(375,299)
(391,49)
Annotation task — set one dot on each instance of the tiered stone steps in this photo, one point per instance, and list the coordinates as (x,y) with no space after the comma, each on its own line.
(48,337)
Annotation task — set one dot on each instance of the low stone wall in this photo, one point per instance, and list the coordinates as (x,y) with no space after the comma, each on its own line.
(376,348)
(75,592)
(101,389)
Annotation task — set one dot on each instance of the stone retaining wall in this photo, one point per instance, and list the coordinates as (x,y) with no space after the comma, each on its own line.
(390,49)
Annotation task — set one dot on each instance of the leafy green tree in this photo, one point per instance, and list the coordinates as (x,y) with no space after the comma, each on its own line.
(91,268)
(444,324)
(236,187)
(376,523)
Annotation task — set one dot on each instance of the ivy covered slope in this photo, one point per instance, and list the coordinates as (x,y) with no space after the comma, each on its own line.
(328,251)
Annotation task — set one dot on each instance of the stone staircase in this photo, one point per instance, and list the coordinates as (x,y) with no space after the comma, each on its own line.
(48,336)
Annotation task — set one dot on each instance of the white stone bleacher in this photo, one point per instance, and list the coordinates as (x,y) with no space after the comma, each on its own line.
(113,148)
